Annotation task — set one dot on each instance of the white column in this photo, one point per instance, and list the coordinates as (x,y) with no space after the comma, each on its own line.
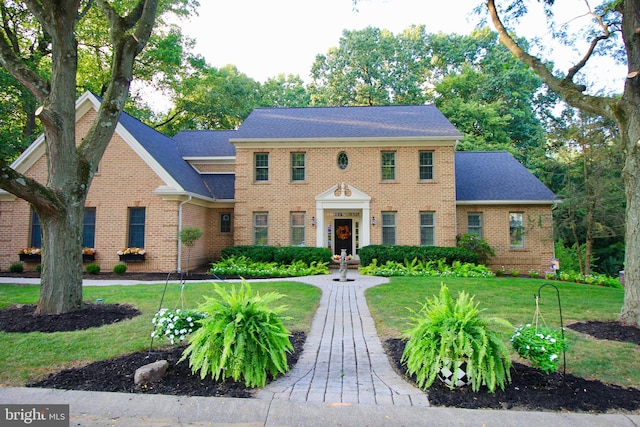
(365,231)
(320,231)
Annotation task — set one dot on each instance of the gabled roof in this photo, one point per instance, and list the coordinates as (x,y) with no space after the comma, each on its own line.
(164,151)
(421,121)
(205,143)
(157,150)
(497,177)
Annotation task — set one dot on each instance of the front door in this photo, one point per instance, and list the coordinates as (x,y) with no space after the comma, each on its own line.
(344,236)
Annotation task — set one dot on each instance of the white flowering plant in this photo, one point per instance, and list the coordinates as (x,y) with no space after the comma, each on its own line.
(541,346)
(175,325)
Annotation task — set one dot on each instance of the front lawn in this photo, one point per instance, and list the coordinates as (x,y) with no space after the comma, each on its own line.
(513,300)
(31,356)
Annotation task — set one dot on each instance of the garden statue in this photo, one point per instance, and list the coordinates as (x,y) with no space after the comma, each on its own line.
(343,265)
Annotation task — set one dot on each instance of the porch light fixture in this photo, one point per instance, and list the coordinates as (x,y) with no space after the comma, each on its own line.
(373,220)
(313,221)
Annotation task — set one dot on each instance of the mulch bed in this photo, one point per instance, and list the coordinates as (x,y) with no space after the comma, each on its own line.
(532,390)
(116,375)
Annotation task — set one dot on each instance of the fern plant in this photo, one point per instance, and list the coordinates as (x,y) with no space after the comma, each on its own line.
(240,337)
(446,331)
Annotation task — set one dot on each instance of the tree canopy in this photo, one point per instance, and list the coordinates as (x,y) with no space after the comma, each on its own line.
(609,28)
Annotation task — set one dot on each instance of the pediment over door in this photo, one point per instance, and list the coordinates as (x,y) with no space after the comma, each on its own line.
(341,193)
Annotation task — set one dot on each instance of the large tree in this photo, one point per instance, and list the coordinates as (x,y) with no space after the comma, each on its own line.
(371,67)
(210,98)
(159,66)
(492,98)
(59,202)
(591,215)
(613,29)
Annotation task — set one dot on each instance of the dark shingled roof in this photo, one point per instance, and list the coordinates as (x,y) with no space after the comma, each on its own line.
(496,176)
(222,186)
(163,150)
(480,176)
(205,143)
(347,122)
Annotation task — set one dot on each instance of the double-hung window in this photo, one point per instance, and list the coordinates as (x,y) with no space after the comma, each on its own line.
(36,232)
(516,229)
(137,218)
(261,161)
(260,228)
(474,223)
(89,228)
(426,165)
(297,228)
(389,228)
(298,166)
(427,229)
(388,165)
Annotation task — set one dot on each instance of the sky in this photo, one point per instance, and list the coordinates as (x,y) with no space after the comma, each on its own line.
(266,38)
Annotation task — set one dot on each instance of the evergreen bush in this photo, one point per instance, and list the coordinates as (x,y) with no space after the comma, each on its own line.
(290,254)
(255,253)
(92,268)
(474,243)
(120,268)
(281,254)
(16,267)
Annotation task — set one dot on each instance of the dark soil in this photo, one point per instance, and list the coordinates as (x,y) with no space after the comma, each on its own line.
(530,389)
(21,318)
(116,375)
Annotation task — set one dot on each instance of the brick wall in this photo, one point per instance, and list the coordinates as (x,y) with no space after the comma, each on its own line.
(407,195)
(123,180)
(538,247)
(15,222)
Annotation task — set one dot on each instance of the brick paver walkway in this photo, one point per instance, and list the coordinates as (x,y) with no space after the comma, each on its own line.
(343,360)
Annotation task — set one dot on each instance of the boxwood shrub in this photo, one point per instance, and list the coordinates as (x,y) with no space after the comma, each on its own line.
(288,254)
(255,253)
(384,253)
(282,255)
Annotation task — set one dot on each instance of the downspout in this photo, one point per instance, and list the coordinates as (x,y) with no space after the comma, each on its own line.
(179,231)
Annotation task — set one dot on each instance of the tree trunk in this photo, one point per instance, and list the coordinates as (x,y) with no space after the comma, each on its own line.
(631,176)
(588,243)
(628,119)
(61,277)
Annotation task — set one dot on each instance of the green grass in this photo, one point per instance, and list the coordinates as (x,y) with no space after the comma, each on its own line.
(27,357)
(513,300)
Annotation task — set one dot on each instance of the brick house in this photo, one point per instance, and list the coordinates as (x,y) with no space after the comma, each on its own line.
(336,177)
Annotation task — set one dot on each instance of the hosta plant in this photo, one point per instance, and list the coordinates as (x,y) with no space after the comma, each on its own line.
(446,331)
(243,266)
(175,325)
(242,337)
(541,346)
